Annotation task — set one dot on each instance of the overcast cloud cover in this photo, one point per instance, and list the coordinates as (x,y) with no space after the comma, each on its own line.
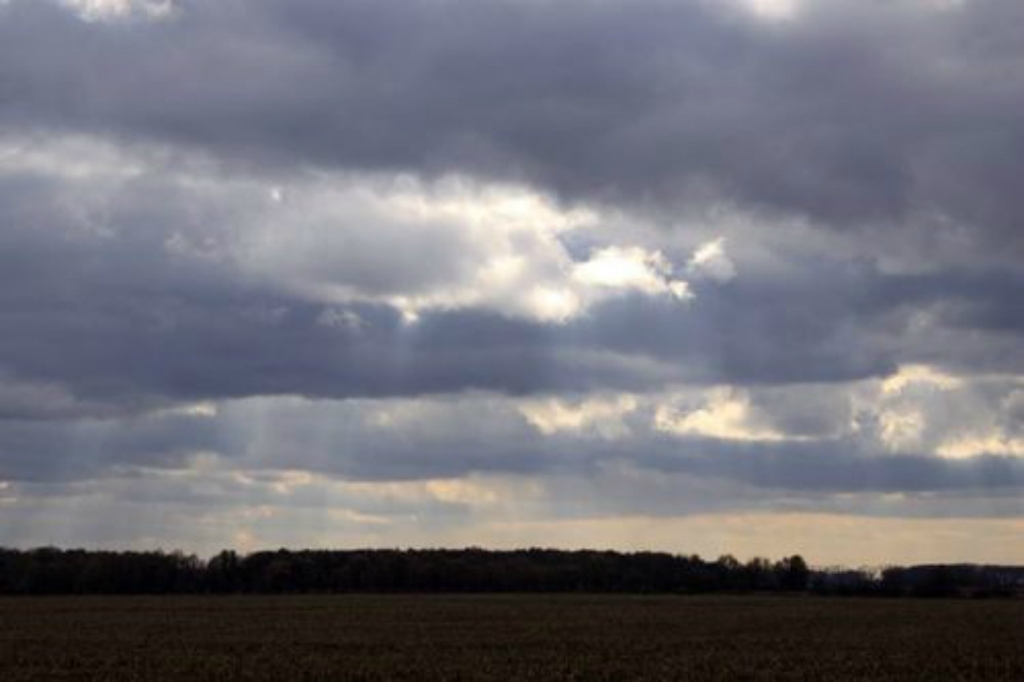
(704,276)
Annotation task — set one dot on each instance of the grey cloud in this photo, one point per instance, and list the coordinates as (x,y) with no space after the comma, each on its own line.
(387,440)
(878,143)
(850,113)
(618,489)
(76,450)
(808,410)
(838,466)
(100,315)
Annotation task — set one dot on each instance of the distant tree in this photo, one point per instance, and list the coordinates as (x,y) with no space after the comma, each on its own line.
(935,581)
(759,574)
(53,571)
(843,582)
(223,572)
(894,581)
(793,574)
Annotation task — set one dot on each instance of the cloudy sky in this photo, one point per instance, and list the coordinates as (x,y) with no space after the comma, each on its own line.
(702,276)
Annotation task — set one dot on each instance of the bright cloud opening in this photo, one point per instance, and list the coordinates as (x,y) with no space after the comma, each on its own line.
(603,416)
(726,414)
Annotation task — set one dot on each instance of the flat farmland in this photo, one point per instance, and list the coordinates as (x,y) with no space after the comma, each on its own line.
(508,637)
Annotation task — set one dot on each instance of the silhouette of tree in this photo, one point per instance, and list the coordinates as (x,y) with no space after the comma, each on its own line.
(53,571)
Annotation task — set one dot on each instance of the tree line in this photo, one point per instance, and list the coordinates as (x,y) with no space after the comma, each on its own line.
(56,571)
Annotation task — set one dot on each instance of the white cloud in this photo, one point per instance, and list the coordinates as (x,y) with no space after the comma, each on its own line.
(601,416)
(340,238)
(711,261)
(725,413)
(996,443)
(448,245)
(922,409)
(615,267)
(902,428)
(110,10)
(773,9)
(909,376)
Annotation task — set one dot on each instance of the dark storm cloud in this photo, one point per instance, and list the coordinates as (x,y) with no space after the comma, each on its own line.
(849,113)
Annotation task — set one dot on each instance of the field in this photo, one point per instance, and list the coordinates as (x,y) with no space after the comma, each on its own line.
(512,637)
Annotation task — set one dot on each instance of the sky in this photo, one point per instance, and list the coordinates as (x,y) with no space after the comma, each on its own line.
(701,276)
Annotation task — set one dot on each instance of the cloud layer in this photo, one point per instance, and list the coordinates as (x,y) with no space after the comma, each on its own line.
(470,266)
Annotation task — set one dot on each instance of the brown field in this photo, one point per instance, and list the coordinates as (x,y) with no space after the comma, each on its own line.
(439,637)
